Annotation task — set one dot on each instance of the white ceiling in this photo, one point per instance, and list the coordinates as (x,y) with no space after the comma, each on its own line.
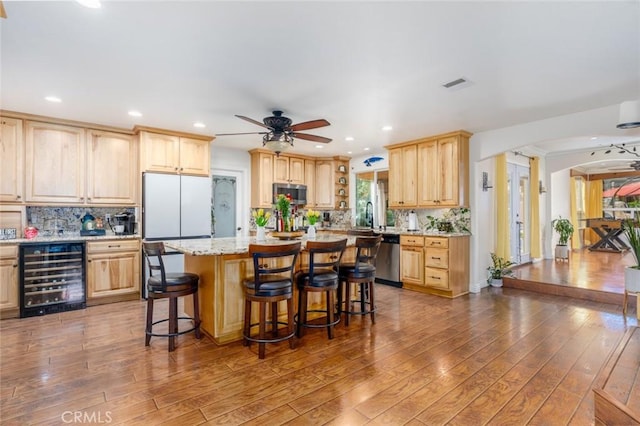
(360,65)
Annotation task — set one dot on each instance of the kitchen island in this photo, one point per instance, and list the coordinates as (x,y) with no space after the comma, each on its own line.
(222,264)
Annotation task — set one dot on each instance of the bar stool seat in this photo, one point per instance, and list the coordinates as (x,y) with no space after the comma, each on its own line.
(362,273)
(169,285)
(272,283)
(321,276)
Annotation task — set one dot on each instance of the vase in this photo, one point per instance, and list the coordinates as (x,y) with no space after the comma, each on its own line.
(496,282)
(260,234)
(311,232)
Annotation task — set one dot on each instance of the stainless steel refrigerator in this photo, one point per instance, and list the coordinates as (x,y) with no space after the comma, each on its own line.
(174,207)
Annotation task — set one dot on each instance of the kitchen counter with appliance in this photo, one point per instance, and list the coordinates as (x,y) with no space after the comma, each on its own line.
(71,236)
(222,264)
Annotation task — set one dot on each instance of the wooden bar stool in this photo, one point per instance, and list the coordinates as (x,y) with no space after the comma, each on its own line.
(162,285)
(321,276)
(272,282)
(362,273)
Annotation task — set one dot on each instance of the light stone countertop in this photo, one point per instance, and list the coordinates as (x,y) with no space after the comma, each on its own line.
(240,245)
(71,236)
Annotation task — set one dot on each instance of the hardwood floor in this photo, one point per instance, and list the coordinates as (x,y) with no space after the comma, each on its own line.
(503,356)
(590,275)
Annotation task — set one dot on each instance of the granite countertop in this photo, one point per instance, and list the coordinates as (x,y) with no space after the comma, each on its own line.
(240,245)
(394,230)
(71,236)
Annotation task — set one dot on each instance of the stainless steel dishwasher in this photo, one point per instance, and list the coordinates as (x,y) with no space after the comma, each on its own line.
(388,261)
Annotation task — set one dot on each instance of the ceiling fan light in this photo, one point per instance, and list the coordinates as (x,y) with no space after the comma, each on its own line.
(629,115)
(277,142)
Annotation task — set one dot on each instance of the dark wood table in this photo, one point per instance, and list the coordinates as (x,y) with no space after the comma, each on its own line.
(609,231)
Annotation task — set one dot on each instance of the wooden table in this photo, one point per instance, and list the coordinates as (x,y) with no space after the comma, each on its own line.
(609,231)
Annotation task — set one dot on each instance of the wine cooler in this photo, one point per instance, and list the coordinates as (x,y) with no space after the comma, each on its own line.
(52,278)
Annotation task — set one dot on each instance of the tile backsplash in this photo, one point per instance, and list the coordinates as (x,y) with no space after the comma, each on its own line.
(67,219)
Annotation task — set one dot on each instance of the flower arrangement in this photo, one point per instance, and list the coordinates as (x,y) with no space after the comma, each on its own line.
(313,216)
(283,204)
(261,217)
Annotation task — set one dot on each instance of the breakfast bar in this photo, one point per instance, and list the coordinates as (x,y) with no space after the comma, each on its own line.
(222,264)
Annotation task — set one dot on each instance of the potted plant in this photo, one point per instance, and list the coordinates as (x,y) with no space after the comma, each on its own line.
(564,228)
(498,270)
(312,217)
(632,273)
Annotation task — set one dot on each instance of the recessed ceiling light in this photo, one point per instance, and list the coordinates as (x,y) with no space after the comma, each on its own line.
(349,138)
(93,4)
(387,128)
(53,99)
(594,138)
(366,149)
(319,146)
(199,125)
(349,152)
(135,113)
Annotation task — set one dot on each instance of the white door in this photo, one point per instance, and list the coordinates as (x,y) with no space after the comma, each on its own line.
(519,187)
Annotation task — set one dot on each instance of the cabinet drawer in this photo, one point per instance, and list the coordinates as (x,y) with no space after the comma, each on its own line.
(438,242)
(113,246)
(436,258)
(410,240)
(9,251)
(436,277)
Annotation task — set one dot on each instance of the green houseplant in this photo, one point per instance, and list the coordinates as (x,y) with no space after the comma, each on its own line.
(631,273)
(564,228)
(499,268)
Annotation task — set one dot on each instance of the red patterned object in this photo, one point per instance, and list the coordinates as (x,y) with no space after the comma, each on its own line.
(30,232)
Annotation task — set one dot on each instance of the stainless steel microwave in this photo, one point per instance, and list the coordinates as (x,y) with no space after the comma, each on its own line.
(298,193)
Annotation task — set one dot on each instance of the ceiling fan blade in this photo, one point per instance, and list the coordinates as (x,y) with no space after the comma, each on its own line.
(247,133)
(313,138)
(251,120)
(307,125)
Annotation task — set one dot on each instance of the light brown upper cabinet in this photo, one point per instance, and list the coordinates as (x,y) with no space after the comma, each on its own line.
(403,176)
(310,181)
(441,171)
(441,175)
(289,170)
(261,179)
(55,158)
(325,175)
(12,171)
(112,164)
(73,165)
(174,152)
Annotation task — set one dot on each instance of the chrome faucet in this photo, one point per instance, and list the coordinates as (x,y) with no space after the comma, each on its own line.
(368,215)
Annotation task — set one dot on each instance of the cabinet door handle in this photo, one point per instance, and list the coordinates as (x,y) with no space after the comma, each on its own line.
(435,258)
(15,265)
(113,246)
(18,197)
(435,278)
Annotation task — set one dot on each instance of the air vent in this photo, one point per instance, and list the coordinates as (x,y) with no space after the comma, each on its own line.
(450,84)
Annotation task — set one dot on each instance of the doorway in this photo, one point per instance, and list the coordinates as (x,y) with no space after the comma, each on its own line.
(223,211)
(519,186)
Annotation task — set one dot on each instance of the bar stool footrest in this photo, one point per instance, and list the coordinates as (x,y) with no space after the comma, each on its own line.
(195,327)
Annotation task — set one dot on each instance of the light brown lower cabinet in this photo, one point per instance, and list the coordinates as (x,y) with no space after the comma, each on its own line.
(113,271)
(221,296)
(9,307)
(445,271)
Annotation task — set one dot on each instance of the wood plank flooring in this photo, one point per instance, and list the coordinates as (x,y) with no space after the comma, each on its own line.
(589,275)
(503,356)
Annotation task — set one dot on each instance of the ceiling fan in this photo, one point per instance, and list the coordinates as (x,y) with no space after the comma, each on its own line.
(281,132)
